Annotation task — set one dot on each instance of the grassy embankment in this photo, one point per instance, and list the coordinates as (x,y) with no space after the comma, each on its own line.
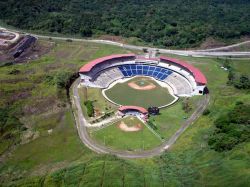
(30,92)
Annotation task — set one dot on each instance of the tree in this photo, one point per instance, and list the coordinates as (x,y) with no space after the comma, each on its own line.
(231,128)
(86,32)
(62,78)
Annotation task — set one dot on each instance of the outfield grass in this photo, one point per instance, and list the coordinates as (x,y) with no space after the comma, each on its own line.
(123,94)
(169,120)
(114,137)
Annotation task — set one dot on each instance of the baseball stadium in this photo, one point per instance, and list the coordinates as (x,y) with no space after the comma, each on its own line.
(123,97)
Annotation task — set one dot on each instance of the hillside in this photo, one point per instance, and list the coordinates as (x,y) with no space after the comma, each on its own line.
(40,145)
(165,23)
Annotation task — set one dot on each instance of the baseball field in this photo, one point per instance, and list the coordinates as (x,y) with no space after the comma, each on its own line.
(139,91)
(127,134)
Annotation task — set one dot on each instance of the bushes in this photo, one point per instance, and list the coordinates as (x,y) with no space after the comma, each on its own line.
(8,121)
(90,108)
(206,112)
(242,82)
(238,80)
(10,128)
(186,105)
(14,71)
(231,129)
(62,79)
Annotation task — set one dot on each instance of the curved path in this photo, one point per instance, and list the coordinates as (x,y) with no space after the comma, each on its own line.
(93,145)
(195,53)
(215,52)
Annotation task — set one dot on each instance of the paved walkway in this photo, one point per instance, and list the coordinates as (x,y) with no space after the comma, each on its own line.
(105,121)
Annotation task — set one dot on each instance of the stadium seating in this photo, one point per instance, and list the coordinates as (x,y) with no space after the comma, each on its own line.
(158,73)
(181,86)
(106,77)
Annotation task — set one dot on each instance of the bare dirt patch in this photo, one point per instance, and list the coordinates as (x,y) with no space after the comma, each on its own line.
(112,38)
(133,85)
(124,127)
(211,43)
(34,52)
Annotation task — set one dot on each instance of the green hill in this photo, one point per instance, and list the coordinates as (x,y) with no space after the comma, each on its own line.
(166,23)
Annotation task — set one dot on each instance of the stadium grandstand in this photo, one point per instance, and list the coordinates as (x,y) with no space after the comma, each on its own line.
(183,78)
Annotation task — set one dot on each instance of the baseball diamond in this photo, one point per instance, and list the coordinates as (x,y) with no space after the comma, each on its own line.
(131,84)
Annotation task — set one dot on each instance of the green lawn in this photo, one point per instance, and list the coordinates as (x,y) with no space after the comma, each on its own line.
(114,137)
(169,120)
(123,94)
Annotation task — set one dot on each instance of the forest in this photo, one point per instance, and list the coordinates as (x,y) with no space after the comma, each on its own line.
(163,23)
(231,128)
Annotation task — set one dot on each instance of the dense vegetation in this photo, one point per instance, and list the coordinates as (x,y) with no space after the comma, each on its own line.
(168,23)
(90,108)
(232,128)
(186,105)
(235,78)
(62,80)
(10,127)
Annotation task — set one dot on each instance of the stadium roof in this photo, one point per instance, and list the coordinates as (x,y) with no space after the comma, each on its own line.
(198,75)
(140,109)
(144,58)
(87,67)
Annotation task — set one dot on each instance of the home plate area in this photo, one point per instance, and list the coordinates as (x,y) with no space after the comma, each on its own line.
(129,133)
(130,127)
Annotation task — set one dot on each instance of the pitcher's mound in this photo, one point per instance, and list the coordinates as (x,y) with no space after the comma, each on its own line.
(150,86)
(124,127)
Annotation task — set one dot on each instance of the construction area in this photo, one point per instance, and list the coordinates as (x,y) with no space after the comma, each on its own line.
(18,48)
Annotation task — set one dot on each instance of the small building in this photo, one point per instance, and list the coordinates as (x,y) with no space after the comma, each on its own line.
(134,111)
(153,110)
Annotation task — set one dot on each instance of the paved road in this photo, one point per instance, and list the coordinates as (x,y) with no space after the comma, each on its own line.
(93,145)
(195,53)
(215,52)
(225,47)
